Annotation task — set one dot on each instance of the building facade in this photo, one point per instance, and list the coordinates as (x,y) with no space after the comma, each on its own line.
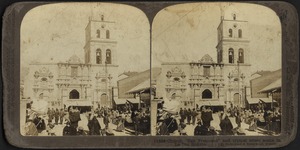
(75,82)
(209,82)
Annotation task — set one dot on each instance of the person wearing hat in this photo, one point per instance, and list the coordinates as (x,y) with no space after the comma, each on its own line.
(50,129)
(226,125)
(30,128)
(200,129)
(120,123)
(211,131)
(194,114)
(56,116)
(181,128)
(81,131)
(163,128)
(69,130)
(93,125)
(61,116)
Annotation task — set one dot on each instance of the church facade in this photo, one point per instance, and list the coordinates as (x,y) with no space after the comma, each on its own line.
(212,82)
(75,82)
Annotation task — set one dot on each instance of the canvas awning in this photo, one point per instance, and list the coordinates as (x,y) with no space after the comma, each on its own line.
(271,87)
(253,100)
(257,100)
(134,101)
(211,103)
(78,103)
(268,100)
(120,101)
(140,87)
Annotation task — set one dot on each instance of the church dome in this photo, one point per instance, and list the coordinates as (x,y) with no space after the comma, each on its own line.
(74,59)
(206,59)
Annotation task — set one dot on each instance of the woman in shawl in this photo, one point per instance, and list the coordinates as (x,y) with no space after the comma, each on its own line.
(226,125)
(120,123)
(93,125)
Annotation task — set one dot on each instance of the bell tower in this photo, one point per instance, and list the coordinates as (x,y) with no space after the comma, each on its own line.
(100,44)
(233,43)
(233,51)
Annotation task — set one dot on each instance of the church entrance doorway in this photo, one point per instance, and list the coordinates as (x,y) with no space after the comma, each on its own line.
(236,99)
(103,100)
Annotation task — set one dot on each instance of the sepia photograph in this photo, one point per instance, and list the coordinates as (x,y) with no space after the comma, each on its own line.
(85,70)
(150,74)
(216,70)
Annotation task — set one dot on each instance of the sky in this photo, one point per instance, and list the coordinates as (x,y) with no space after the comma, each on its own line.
(180,33)
(54,32)
(186,32)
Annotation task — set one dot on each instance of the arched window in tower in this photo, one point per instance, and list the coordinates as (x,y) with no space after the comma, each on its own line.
(108,56)
(241,55)
(107,34)
(98,33)
(98,56)
(231,56)
(230,32)
(102,17)
(240,33)
(221,56)
(206,94)
(234,16)
(74,94)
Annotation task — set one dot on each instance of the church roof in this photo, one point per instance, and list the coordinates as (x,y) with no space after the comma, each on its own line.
(129,73)
(206,59)
(74,59)
(140,87)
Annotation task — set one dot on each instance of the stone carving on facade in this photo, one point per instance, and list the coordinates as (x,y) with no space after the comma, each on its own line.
(175,80)
(43,80)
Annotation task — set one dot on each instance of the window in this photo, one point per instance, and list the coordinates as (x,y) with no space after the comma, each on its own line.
(230,32)
(206,71)
(231,56)
(176,82)
(240,33)
(44,79)
(220,56)
(107,34)
(98,56)
(41,96)
(206,94)
(74,94)
(234,16)
(102,17)
(74,71)
(98,33)
(108,56)
(241,55)
(176,79)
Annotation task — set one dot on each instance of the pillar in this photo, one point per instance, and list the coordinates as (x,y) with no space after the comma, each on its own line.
(153,117)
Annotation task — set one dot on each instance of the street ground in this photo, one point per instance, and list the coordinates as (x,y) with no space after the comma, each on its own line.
(83,123)
(215,123)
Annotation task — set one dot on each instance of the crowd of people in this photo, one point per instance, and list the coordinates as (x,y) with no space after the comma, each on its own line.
(227,121)
(104,121)
(137,122)
(101,121)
